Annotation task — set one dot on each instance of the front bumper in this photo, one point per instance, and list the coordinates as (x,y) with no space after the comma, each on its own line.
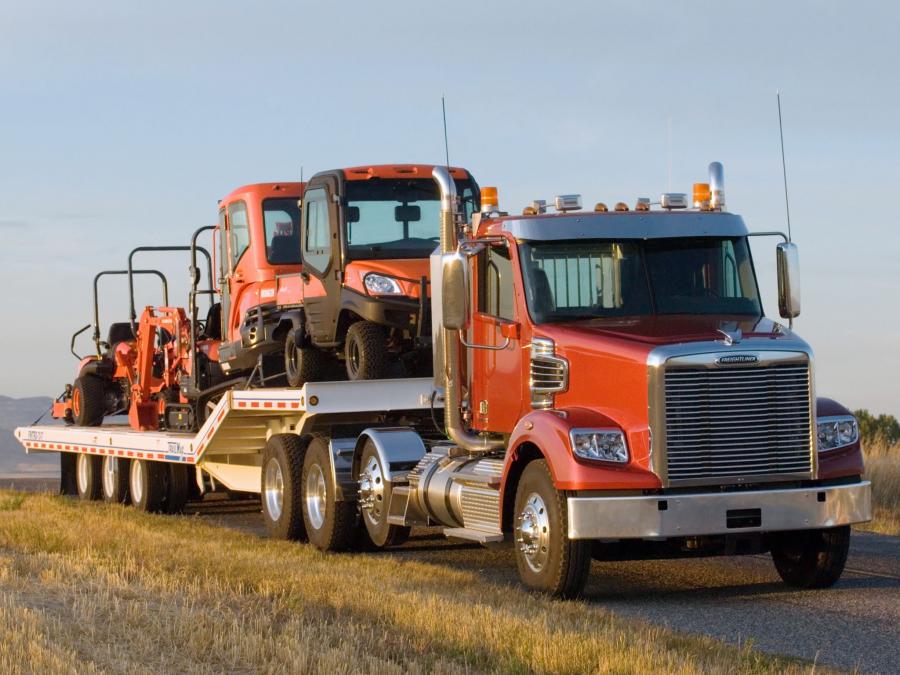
(683,515)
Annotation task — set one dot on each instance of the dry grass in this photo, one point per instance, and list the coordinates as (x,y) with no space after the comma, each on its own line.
(883,469)
(96,588)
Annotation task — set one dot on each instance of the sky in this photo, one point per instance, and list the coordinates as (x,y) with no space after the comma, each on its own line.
(122,124)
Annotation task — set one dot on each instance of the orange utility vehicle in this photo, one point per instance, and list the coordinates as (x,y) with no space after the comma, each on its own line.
(367,236)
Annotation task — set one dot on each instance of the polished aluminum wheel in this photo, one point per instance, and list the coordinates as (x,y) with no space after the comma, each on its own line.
(273,490)
(316,496)
(136,481)
(82,469)
(533,532)
(110,475)
(371,491)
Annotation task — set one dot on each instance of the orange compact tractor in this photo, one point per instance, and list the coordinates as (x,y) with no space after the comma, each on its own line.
(367,234)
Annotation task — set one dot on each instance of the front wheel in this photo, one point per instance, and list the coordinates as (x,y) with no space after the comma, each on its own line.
(811,558)
(546,558)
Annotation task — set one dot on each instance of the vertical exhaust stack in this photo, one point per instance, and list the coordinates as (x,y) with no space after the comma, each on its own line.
(447,372)
(716,186)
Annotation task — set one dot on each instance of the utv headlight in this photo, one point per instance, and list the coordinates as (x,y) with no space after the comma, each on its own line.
(605,445)
(836,432)
(379,284)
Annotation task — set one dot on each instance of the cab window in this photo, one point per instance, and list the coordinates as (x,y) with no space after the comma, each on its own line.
(281,220)
(239,231)
(317,233)
(495,285)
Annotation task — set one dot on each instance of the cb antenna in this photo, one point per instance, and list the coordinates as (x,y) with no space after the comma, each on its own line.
(446,142)
(787,206)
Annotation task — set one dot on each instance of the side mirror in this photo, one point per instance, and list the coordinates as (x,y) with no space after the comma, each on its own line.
(788,261)
(455,291)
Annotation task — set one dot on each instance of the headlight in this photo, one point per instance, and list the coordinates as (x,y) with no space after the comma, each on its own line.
(605,445)
(836,432)
(382,285)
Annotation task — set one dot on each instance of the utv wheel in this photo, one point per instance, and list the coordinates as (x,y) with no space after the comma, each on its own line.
(147,485)
(546,558)
(374,500)
(282,471)
(177,488)
(88,401)
(301,364)
(115,480)
(330,524)
(365,351)
(87,476)
(811,558)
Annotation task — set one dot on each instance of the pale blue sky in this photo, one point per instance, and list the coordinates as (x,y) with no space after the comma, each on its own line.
(122,123)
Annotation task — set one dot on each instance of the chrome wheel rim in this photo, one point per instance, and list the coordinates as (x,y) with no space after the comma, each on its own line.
(274,489)
(110,473)
(316,497)
(82,473)
(533,532)
(136,481)
(371,491)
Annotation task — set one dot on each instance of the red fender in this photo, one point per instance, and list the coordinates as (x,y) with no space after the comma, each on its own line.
(840,462)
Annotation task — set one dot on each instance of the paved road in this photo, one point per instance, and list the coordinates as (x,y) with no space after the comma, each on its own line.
(856,624)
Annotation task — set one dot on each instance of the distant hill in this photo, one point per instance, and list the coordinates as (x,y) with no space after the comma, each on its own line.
(14,463)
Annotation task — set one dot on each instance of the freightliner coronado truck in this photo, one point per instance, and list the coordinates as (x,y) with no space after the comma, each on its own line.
(606,387)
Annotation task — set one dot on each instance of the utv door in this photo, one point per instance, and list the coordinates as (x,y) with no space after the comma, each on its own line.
(321,262)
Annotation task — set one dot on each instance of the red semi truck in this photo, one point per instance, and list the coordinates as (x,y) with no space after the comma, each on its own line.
(610,389)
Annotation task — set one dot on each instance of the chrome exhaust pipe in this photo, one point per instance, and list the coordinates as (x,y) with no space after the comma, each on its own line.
(716,186)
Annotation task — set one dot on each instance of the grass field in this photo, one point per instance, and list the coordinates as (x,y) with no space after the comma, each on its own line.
(96,588)
(883,469)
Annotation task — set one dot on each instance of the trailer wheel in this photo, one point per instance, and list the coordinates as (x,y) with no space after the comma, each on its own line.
(147,485)
(547,559)
(374,500)
(811,558)
(365,351)
(68,481)
(115,480)
(330,524)
(282,471)
(177,488)
(301,364)
(87,476)
(88,401)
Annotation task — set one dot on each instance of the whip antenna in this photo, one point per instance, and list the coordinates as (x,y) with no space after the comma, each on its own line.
(787,206)
(446,142)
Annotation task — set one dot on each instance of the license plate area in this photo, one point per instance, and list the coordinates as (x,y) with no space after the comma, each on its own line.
(736,519)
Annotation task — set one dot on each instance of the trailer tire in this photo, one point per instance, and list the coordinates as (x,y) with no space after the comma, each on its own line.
(547,560)
(282,471)
(147,485)
(365,351)
(88,401)
(811,558)
(87,476)
(374,500)
(301,364)
(177,488)
(330,524)
(115,480)
(68,482)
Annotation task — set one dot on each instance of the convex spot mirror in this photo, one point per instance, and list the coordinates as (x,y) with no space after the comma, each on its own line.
(788,262)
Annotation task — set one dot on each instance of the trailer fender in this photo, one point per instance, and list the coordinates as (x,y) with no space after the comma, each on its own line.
(342,452)
(399,449)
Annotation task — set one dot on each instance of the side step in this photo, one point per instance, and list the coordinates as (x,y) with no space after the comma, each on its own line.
(481,536)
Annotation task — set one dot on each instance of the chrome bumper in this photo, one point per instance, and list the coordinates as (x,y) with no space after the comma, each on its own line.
(684,515)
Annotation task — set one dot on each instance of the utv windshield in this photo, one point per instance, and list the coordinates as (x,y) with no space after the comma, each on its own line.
(588,279)
(391,218)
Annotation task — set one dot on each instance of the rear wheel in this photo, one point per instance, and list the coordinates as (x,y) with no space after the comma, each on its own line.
(301,364)
(147,484)
(374,500)
(365,351)
(115,480)
(282,471)
(547,559)
(68,480)
(811,558)
(330,524)
(88,401)
(87,476)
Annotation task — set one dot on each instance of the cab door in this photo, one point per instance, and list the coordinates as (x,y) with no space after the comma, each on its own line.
(497,374)
(322,255)
(237,229)
(224,281)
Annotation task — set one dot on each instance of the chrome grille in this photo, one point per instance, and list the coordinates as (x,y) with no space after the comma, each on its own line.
(729,422)
(549,373)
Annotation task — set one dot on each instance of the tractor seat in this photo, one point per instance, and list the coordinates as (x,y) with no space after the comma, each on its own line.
(285,250)
(119,332)
(212,329)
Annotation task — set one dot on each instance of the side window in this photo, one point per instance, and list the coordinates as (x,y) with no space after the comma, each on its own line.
(239,237)
(316,230)
(495,283)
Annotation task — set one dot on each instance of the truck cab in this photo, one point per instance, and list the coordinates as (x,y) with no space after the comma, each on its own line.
(258,264)
(367,234)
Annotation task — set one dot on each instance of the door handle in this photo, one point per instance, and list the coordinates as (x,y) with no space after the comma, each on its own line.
(305,277)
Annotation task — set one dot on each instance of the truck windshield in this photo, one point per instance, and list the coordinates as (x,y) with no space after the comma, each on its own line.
(587,279)
(390,218)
